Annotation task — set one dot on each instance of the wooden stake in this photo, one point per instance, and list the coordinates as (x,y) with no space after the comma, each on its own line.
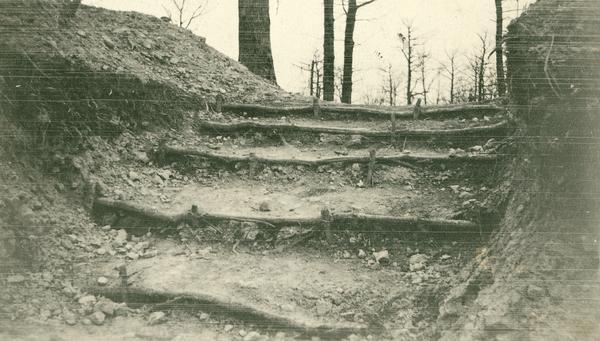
(253,164)
(316,107)
(326,219)
(417,110)
(219,103)
(371,168)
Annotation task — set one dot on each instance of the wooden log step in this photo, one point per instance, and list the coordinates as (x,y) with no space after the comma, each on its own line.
(300,159)
(364,111)
(396,223)
(220,127)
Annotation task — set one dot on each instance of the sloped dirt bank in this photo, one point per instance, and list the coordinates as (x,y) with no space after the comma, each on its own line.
(538,279)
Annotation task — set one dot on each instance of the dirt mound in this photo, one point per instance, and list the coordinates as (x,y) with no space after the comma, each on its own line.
(102,71)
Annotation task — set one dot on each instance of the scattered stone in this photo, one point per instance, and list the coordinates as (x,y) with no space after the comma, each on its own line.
(69,318)
(243,333)
(81,33)
(252,336)
(109,43)
(476,149)
(360,184)
(346,254)
(535,292)
(228,328)
(417,262)
(97,318)
(133,255)
(465,195)
(157,317)
(101,251)
(87,300)
(362,254)
(121,237)
(445,257)
(264,207)
(382,257)
(105,306)
(133,176)
(457,152)
(165,174)
(121,309)
(157,180)
(147,43)
(86,322)
(15,279)
(102,281)
(141,156)
(203,316)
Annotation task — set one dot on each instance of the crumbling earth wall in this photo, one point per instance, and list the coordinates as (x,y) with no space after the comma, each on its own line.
(538,278)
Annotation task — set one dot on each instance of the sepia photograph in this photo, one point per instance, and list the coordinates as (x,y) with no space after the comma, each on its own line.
(278,170)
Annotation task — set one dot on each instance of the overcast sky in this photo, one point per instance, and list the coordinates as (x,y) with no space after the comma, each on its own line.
(297,31)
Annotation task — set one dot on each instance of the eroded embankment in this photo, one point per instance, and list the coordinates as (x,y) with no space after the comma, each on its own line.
(538,277)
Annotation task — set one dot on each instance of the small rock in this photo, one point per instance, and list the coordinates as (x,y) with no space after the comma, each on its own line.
(382,257)
(264,207)
(252,336)
(121,237)
(97,318)
(102,281)
(243,333)
(86,322)
(465,195)
(362,254)
(121,309)
(69,318)
(141,156)
(147,43)
(157,180)
(356,167)
(157,317)
(417,262)
(476,149)
(203,316)
(133,255)
(101,251)
(165,174)
(87,300)
(228,328)
(534,292)
(15,279)
(445,257)
(109,43)
(134,176)
(81,33)
(105,306)
(360,184)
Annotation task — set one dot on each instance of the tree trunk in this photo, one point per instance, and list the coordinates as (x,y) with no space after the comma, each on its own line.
(409,69)
(255,38)
(328,52)
(349,51)
(499,50)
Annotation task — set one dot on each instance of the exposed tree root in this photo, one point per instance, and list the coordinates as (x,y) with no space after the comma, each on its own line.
(225,307)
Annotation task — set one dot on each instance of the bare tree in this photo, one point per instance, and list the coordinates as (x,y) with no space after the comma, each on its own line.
(449,72)
(422,67)
(328,52)
(482,65)
(350,11)
(498,50)
(186,11)
(390,85)
(408,46)
(255,38)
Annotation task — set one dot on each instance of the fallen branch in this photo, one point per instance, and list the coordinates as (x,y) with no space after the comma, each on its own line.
(316,129)
(226,307)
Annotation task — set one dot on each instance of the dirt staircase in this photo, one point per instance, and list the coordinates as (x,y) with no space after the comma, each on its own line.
(247,186)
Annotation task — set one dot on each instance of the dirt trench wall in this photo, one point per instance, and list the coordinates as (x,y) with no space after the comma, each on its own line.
(538,278)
